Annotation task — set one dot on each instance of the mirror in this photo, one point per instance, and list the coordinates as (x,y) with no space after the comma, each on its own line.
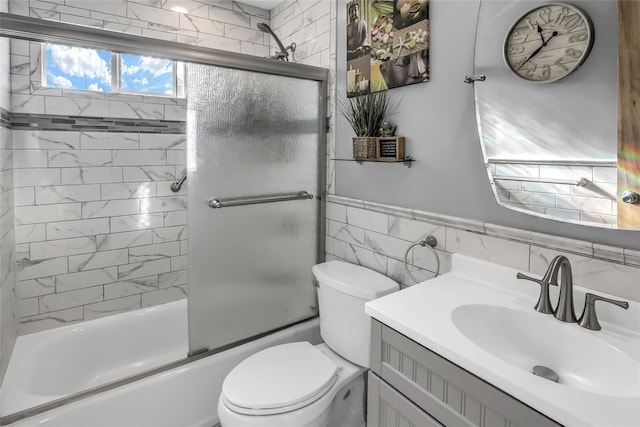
(551,149)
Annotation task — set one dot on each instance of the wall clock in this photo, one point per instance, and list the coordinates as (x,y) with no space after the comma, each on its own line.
(549,42)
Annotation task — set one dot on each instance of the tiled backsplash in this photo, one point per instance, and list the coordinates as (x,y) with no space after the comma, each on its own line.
(377,236)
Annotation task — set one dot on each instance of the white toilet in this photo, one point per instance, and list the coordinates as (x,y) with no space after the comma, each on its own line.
(298,384)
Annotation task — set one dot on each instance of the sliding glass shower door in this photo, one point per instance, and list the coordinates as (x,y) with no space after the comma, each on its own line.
(253,158)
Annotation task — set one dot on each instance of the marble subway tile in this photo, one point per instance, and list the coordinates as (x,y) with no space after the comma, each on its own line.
(126,239)
(131,287)
(162,141)
(28,269)
(62,247)
(36,177)
(346,233)
(96,260)
(504,252)
(112,7)
(91,175)
(136,222)
(110,208)
(35,287)
(173,218)
(63,300)
(366,258)
(179,263)
(30,159)
(385,245)
(85,279)
(414,230)
(111,307)
(149,173)
(176,157)
(162,204)
(152,14)
(161,296)
(30,233)
(27,307)
(152,252)
(139,157)
(335,247)
(173,278)
(67,194)
(368,220)
(46,140)
(141,269)
(23,196)
(229,16)
(79,158)
(77,228)
(74,107)
(336,212)
(109,141)
(169,234)
(128,190)
(47,213)
(50,320)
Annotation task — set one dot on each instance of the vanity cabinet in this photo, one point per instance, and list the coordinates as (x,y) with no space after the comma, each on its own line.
(411,385)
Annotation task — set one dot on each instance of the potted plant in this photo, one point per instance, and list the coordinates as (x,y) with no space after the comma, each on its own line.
(366,114)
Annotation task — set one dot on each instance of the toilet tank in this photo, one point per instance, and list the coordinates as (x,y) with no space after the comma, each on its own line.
(342,293)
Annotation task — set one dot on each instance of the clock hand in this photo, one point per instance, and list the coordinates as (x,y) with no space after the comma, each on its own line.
(535,52)
(541,36)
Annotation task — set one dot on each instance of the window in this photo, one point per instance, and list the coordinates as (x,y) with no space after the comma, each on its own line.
(69,67)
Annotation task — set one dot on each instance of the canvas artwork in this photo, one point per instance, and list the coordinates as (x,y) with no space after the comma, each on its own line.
(387,44)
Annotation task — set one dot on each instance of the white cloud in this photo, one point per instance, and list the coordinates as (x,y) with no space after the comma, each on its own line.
(79,62)
(60,81)
(130,69)
(155,66)
(94,87)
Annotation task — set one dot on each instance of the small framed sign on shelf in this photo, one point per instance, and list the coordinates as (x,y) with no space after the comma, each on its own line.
(390,148)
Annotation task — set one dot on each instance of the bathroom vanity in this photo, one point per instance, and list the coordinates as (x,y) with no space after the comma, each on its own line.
(459,350)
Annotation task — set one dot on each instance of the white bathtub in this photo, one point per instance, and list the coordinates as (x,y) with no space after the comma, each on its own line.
(52,364)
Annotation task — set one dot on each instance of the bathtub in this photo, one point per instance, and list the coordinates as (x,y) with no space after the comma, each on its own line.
(50,365)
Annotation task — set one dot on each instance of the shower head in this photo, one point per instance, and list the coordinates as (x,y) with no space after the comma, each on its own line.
(282,54)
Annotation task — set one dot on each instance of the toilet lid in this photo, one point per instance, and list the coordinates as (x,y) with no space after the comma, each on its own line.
(279,379)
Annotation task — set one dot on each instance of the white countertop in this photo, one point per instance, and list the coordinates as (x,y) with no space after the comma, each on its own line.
(423,313)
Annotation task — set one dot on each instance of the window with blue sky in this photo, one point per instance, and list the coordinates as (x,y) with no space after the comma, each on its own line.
(69,67)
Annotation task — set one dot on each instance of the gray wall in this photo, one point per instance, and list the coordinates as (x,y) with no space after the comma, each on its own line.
(437,119)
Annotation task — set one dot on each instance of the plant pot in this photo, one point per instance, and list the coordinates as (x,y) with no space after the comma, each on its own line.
(364,147)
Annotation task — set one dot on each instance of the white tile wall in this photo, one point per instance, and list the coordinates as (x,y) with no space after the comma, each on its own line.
(98,230)
(350,237)
(8,303)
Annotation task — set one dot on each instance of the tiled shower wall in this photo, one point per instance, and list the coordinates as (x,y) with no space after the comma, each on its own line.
(98,230)
(8,320)
(377,236)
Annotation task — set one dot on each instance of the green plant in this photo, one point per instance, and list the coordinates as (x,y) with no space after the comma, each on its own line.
(366,112)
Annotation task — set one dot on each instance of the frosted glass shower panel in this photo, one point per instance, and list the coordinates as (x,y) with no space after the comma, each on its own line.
(250,135)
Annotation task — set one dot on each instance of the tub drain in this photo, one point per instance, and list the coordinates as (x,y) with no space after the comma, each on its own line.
(546,373)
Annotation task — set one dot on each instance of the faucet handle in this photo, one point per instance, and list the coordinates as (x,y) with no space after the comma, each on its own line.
(589,319)
(544,303)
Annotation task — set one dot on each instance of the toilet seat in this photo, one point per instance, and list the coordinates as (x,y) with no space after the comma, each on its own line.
(279,379)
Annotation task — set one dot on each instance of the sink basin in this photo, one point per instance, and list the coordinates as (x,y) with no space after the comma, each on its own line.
(525,339)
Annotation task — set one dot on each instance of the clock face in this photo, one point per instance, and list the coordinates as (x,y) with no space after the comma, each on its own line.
(548,42)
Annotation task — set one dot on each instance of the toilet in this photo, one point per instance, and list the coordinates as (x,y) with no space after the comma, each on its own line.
(298,384)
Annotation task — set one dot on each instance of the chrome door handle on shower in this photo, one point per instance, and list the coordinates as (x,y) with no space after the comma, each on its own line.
(254,200)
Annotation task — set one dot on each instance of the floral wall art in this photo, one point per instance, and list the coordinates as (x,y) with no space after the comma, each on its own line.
(387,44)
